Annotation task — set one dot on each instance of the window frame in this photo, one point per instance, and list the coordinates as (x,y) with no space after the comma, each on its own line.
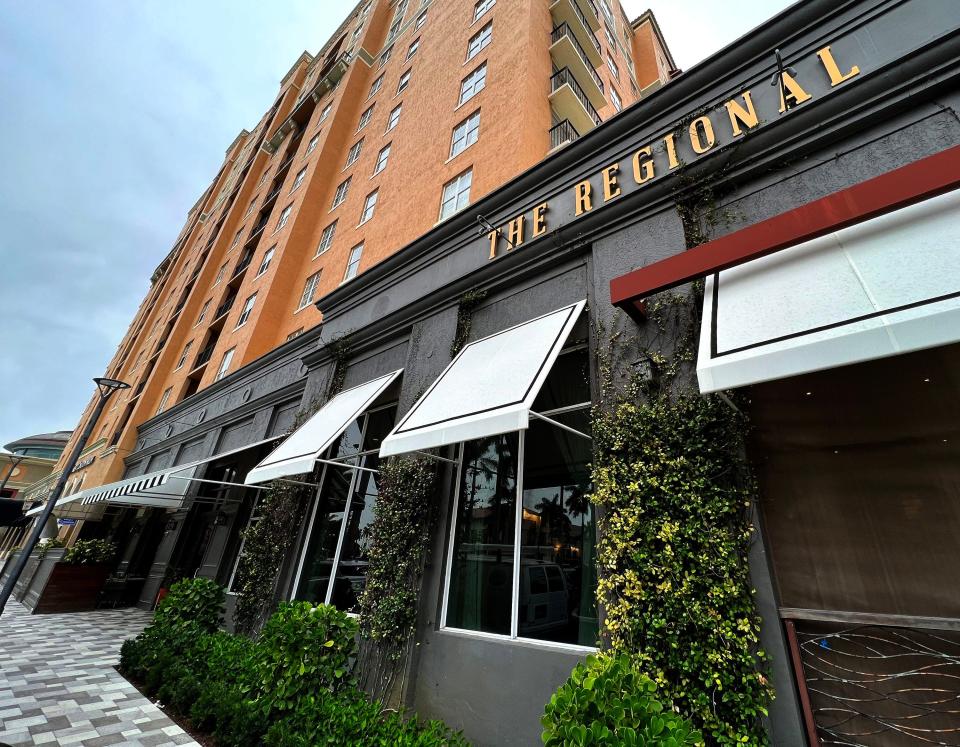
(319,496)
(514,636)
(246,311)
(224,366)
(404,82)
(353,263)
(369,208)
(393,121)
(473,85)
(265,261)
(339,197)
(325,238)
(311,282)
(481,7)
(298,179)
(365,117)
(482,38)
(284,217)
(376,86)
(383,157)
(412,49)
(464,124)
(184,355)
(354,153)
(443,192)
(312,144)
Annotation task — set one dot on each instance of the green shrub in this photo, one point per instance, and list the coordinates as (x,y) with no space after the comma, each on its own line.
(302,649)
(197,601)
(349,718)
(90,552)
(42,550)
(608,700)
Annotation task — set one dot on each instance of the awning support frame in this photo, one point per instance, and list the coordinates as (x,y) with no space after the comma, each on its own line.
(561,426)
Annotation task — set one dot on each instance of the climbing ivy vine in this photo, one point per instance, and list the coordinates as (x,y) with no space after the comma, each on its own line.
(674,493)
(469,301)
(399,536)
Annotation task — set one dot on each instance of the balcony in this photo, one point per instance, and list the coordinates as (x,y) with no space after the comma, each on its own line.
(203,357)
(300,115)
(567,52)
(568,12)
(562,133)
(223,309)
(570,101)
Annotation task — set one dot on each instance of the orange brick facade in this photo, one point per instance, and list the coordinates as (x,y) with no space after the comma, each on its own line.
(311,128)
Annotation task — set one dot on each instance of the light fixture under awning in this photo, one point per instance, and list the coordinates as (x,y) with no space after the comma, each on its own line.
(488,388)
(302,448)
(886,286)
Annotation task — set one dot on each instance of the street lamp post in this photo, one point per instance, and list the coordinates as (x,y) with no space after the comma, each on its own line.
(106,388)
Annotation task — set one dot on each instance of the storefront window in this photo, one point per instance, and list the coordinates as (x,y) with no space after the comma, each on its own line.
(336,549)
(481,578)
(544,587)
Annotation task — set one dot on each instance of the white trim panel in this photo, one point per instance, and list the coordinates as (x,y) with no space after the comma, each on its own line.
(883,287)
(301,449)
(488,388)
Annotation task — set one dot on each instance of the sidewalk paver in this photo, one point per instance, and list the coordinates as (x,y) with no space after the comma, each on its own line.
(58,685)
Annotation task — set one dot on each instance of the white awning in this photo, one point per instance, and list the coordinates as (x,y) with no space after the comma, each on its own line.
(883,287)
(302,448)
(488,388)
(164,488)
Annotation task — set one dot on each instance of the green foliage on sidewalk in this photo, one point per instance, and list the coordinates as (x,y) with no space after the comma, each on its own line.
(292,685)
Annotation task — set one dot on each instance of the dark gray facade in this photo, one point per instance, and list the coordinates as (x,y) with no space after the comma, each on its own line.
(902,106)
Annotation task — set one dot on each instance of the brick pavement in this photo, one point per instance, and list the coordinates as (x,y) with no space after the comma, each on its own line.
(58,685)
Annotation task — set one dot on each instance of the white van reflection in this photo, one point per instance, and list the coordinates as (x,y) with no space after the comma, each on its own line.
(544,597)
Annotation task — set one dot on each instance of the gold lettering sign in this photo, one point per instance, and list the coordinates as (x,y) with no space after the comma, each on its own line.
(703,133)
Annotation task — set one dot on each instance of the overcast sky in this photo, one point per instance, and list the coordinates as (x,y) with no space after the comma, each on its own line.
(115,115)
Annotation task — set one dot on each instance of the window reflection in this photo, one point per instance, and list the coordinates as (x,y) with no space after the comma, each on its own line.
(328,522)
(557,571)
(481,578)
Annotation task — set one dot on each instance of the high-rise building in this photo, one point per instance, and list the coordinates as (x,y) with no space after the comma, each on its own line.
(410,112)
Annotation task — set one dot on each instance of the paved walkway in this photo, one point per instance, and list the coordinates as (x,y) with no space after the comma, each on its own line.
(58,685)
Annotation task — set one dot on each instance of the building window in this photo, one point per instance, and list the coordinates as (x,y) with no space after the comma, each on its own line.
(354,153)
(611,42)
(265,262)
(250,206)
(369,205)
(404,82)
(341,193)
(481,7)
(326,238)
(365,117)
(479,40)
(394,117)
(325,113)
(538,582)
(353,264)
(613,66)
(312,144)
(263,177)
(473,84)
(224,364)
(375,86)
(220,273)
(615,99)
(236,238)
(465,134)
(333,566)
(296,333)
(421,19)
(246,311)
(309,290)
(284,216)
(298,179)
(382,157)
(412,49)
(184,354)
(456,194)
(163,400)
(385,57)
(203,313)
